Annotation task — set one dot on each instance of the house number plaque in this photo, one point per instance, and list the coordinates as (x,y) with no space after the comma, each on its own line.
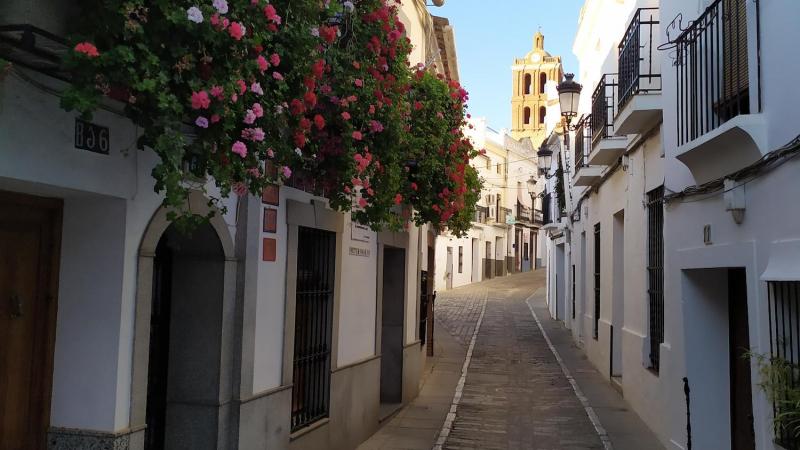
(91,137)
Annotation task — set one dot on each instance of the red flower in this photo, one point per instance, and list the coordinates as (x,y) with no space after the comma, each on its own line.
(318,68)
(87,49)
(357,135)
(310,99)
(300,139)
(319,121)
(328,33)
(305,123)
(398,199)
(297,107)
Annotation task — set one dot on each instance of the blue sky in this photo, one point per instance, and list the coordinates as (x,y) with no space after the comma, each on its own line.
(490,34)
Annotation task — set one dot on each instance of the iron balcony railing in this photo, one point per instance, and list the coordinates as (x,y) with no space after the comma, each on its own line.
(639,70)
(524,213)
(583,142)
(538,216)
(711,59)
(481,214)
(604,107)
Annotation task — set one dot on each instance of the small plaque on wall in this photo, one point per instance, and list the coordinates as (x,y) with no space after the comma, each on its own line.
(91,137)
(269,250)
(271,195)
(270,220)
(355,251)
(360,232)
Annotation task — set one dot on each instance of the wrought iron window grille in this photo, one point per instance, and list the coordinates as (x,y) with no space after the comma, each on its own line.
(637,68)
(655,273)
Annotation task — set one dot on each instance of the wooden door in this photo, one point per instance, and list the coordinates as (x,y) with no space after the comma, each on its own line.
(742,433)
(29,247)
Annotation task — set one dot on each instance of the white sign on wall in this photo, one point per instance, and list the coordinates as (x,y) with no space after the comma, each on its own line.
(360,232)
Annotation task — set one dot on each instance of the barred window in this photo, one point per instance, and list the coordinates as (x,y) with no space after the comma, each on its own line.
(655,272)
(784,345)
(596,330)
(460,259)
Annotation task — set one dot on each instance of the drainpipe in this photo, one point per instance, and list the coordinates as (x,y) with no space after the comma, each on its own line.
(686,391)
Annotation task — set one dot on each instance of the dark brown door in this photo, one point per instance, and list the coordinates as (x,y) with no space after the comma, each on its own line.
(29,248)
(742,434)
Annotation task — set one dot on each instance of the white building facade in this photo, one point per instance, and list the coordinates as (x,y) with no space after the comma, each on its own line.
(278,324)
(680,253)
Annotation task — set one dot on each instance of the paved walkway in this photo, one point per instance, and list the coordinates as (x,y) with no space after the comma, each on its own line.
(515,394)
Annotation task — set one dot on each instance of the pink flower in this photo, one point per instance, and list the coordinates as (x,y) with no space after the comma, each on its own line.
(201,122)
(414,186)
(357,135)
(239,148)
(347,189)
(234,98)
(375,126)
(370,192)
(258,110)
(277,76)
(253,134)
(249,117)
(256,89)
(242,86)
(362,202)
(240,189)
(346,115)
(287,172)
(263,65)
(271,14)
(200,100)
(270,152)
(217,92)
(275,59)
(372,109)
(87,49)
(359,82)
(236,31)
(214,118)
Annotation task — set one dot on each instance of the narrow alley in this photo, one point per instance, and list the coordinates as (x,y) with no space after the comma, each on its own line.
(515,392)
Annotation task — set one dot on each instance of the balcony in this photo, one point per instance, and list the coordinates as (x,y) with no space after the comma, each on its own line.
(640,107)
(585,174)
(606,147)
(481,214)
(524,213)
(718,128)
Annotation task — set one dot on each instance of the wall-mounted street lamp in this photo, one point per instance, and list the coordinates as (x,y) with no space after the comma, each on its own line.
(544,159)
(569,95)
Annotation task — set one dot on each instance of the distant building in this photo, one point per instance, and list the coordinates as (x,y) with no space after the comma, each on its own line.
(529,101)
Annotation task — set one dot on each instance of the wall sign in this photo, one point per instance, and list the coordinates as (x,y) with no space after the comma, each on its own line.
(92,137)
(355,251)
(360,232)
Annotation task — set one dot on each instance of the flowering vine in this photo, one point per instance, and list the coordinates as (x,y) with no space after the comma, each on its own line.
(316,93)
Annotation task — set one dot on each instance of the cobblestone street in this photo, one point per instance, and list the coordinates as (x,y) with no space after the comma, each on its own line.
(515,394)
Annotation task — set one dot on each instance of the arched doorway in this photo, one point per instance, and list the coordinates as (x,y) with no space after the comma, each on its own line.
(201,422)
(183,378)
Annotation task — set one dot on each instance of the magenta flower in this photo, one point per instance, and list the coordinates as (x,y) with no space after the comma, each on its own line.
(263,65)
(200,100)
(375,126)
(275,59)
(236,31)
(287,172)
(239,148)
(249,117)
(258,110)
(277,76)
(217,92)
(359,82)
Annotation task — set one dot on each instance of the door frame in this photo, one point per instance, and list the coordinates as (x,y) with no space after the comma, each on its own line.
(55,208)
(197,203)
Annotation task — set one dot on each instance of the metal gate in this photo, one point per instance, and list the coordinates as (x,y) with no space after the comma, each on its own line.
(316,253)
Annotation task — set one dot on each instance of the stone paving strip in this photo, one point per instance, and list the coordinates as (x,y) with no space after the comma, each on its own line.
(502,378)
